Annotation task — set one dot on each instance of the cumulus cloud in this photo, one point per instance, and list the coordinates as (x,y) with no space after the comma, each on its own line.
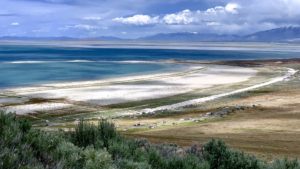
(15,24)
(139,20)
(185,17)
(85,16)
(232,7)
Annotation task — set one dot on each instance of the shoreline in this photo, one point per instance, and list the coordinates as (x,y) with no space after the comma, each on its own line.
(133,88)
(289,73)
(114,78)
(109,80)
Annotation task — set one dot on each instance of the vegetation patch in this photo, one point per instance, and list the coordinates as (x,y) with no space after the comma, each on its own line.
(100,146)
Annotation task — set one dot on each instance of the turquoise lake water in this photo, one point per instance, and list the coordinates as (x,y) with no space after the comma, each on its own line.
(31,65)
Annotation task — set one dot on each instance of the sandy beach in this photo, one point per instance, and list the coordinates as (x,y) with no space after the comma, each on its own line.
(125,89)
(289,73)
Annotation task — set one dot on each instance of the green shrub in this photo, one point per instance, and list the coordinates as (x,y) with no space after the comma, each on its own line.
(127,149)
(85,134)
(107,131)
(128,164)
(15,151)
(25,125)
(156,161)
(97,159)
(119,150)
(220,157)
(68,155)
(285,164)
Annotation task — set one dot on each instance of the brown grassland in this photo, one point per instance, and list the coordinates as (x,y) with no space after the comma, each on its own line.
(270,129)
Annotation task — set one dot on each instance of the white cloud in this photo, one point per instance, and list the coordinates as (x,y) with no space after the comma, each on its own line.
(181,18)
(209,17)
(213,24)
(232,8)
(215,10)
(138,20)
(92,18)
(85,27)
(15,24)
(81,27)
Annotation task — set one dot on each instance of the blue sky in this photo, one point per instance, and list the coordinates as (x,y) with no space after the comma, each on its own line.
(136,18)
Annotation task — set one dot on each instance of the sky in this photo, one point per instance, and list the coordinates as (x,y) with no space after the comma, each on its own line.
(138,18)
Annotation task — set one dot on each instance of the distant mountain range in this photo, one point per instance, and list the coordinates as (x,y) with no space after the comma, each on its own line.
(277,35)
(187,36)
(283,34)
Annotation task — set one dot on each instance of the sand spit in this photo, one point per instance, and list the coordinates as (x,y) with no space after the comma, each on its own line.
(34,108)
(289,73)
(146,87)
(134,88)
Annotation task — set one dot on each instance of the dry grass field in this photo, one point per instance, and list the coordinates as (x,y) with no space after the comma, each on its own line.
(270,129)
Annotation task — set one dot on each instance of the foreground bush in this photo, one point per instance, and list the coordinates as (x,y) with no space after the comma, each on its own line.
(285,164)
(99,136)
(101,147)
(220,157)
(26,148)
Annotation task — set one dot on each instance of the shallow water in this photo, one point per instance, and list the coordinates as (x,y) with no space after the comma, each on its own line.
(26,74)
